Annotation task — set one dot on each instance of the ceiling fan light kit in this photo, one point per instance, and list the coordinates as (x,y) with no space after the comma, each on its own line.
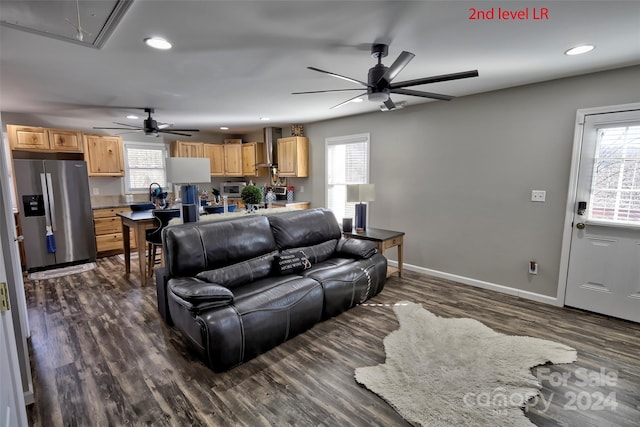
(379,87)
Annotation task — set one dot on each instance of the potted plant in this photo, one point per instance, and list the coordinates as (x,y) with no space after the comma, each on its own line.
(251,195)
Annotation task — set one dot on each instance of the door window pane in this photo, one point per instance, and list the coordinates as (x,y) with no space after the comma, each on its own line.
(615,191)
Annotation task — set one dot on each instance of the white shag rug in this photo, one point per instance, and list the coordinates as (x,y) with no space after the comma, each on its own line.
(458,372)
(59,272)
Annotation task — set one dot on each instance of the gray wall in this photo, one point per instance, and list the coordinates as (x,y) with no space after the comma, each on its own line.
(457,176)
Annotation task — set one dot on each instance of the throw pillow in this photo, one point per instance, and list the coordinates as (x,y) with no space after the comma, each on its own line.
(291,262)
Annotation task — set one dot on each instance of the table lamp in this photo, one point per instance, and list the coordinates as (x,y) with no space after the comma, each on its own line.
(361,193)
(188,171)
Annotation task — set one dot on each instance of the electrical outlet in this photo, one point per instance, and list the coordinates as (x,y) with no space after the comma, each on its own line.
(533,267)
(538,195)
(302,188)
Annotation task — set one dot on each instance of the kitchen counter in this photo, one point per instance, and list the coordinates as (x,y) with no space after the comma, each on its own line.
(294,204)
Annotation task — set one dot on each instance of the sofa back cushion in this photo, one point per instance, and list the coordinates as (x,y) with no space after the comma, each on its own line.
(304,228)
(199,246)
(240,273)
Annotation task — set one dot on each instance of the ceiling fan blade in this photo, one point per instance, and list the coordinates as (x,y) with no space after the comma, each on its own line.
(398,65)
(422,94)
(322,91)
(126,124)
(127,133)
(435,79)
(179,130)
(389,104)
(349,79)
(347,101)
(175,133)
(134,129)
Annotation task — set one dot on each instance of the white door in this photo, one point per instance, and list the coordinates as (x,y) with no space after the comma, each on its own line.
(12,409)
(604,260)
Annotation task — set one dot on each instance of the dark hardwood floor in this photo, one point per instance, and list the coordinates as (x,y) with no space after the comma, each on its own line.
(101,355)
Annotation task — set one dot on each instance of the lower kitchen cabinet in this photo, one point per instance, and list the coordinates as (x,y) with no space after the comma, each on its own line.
(108,229)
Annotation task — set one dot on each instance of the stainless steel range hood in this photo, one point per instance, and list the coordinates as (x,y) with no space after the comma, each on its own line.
(271,136)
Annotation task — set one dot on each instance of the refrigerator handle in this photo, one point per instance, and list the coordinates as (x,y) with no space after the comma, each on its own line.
(45,196)
(52,201)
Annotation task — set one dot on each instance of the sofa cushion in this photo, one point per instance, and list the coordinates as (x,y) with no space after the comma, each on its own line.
(290,262)
(355,248)
(240,273)
(301,228)
(200,246)
(349,284)
(264,314)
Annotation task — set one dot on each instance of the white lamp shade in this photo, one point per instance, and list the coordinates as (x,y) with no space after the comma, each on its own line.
(188,170)
(361,193)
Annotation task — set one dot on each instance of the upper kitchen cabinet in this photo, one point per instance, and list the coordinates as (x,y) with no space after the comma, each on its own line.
(104,155)
(252,155)
(187,149)
(29,138)
(215,154)
(293,156)
(65,140)
(233,159)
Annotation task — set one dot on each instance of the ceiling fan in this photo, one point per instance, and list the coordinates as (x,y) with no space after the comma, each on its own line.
(151,127)
(379,87)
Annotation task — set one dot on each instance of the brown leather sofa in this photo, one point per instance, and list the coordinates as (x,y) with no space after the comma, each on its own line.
(237,288)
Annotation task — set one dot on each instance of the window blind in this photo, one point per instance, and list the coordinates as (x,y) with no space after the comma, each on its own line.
(144,163)
(347,163)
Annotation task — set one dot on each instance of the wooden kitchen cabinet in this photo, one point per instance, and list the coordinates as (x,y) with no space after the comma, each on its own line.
(104,155)
(293,156)
(65,140)
(187,149)
(108,230)
(252,155)
(233,159)
(215,154)
(29,138)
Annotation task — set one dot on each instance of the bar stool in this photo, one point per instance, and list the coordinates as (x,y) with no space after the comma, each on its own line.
(154,236)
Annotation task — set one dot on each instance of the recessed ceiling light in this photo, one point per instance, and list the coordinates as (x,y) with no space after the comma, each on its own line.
(265,119)
(357,100)
(224,128)
(157,43)
(132,117)
(578,50)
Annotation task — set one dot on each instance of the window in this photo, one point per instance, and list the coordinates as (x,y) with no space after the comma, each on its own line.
(347,160)
(144,164)
(615,192)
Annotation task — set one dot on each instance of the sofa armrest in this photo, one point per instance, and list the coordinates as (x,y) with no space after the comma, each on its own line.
(198,292)
(355,248)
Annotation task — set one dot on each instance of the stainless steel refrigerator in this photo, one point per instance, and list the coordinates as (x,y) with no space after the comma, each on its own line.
(53,195)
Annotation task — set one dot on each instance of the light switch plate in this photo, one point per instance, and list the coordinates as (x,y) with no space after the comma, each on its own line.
(538,195)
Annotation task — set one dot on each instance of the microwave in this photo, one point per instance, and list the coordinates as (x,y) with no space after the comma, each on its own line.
(232,189)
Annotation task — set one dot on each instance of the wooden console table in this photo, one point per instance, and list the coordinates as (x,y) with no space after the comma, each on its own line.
(385,239)
(140,222)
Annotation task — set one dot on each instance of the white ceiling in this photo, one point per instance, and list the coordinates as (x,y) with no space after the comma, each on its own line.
(236,61)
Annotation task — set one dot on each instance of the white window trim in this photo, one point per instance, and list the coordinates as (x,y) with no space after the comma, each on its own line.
(142,145)
(340,140)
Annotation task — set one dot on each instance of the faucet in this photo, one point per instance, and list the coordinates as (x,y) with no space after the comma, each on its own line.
(153,194)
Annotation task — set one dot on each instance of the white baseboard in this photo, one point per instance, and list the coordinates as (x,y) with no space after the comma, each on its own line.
(481,284)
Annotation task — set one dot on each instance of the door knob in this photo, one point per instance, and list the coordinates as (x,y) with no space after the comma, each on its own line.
(580,226)
(19,239)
